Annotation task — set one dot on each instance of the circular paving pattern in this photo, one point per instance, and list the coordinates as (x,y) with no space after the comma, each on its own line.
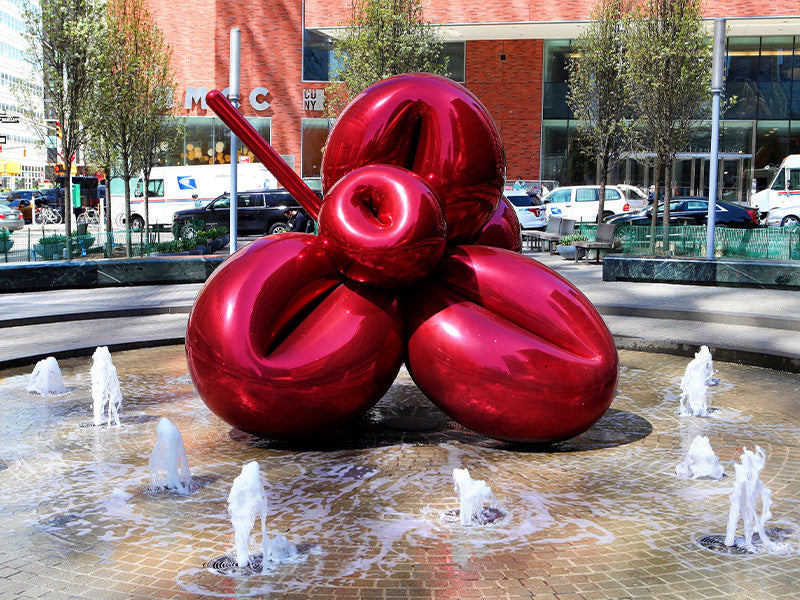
(600,516)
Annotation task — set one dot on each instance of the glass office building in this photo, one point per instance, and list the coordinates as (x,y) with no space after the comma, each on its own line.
(760,127)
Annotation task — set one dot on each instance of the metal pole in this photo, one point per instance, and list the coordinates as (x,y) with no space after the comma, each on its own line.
(717,78)
(233,96)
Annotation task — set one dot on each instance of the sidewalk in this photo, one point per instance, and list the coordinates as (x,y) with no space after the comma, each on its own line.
(759,327)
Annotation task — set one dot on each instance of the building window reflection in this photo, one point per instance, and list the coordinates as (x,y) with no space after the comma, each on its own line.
(207,141)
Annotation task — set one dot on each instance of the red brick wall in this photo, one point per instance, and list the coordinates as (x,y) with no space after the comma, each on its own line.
(327,13)
(511,90)
(271,57)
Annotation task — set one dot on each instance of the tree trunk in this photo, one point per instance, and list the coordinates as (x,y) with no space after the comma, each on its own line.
(654,215)
(667,199)
(107,214)
(126,176)
(146,192)
(603,180)
(68,201)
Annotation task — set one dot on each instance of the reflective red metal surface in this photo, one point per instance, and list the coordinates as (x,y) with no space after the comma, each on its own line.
(502,230)
(279,345)
(509,348)
(296,333)
(434,127)
(382,225)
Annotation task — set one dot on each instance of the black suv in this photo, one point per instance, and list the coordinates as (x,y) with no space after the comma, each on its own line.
(260,212)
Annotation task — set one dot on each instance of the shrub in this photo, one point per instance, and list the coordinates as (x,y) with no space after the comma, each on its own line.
(568,240)
(53,239)
(5,235)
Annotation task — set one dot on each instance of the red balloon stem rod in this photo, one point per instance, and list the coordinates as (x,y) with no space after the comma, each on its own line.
(264,152)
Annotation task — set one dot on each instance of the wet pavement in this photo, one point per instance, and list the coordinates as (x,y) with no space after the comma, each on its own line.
(599,517)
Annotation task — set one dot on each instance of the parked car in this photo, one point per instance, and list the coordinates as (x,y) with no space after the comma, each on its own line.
(694,211)
(10,218)
(581,202)
(23,205)
(631,192)
(260,212)
(529,208)
(783,216)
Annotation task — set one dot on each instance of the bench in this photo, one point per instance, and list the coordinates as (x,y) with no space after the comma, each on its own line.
(556,229)
(603,240)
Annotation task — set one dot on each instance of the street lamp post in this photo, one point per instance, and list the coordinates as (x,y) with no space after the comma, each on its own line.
(233,96)
(717,76)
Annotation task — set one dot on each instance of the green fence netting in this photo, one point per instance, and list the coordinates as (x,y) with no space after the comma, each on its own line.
(776,243)
(35,245)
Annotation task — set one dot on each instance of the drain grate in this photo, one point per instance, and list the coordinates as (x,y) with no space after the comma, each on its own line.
(488,516)
(716,543)
(226,565)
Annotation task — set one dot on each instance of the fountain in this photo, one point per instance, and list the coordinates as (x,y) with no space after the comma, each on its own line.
(694,383)
(477,505)
(277,550)
(169,468)
(246,501)
(700,461)
(105,387)
(747,490)
(46,378)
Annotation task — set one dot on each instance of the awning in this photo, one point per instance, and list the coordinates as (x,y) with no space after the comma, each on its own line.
(10,167)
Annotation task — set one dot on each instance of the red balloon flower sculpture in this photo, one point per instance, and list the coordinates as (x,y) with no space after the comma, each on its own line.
(297,333)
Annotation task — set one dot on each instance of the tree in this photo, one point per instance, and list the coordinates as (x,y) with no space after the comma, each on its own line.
(63,38)
(134,93)
(597,91)
(383,38)
(669,60)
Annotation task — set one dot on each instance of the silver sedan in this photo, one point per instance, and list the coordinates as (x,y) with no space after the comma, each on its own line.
(10,219)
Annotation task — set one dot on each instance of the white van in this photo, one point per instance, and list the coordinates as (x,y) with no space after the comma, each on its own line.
(581,202)
(783,190)
(177,188)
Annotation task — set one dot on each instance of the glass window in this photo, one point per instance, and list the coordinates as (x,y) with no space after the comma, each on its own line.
(556,57)
(780,181)
(224,201)
(560,196)
(455,53)
(554,101)
(696,205)
(794,179)
(776,59)
(555,141)
(612,194)
(584,195)
(314,134)
(743,59)
(198,140)
(317,56)
(772,142)
(774,100)
(737,136)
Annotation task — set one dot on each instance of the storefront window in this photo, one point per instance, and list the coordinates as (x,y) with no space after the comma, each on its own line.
(737,136)
(207,141)
(314,134)
(772,143)
(776,59)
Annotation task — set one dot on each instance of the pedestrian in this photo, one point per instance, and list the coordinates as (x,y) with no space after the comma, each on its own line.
(299,221)
(651,195)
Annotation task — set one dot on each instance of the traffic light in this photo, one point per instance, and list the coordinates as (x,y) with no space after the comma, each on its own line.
(58,129)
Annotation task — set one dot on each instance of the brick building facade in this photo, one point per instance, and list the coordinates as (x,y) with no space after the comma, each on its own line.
(513,59)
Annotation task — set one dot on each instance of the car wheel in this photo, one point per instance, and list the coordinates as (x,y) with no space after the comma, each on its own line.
(188,231)
(279,227)
(790,221)
(137,222)
(607,214)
